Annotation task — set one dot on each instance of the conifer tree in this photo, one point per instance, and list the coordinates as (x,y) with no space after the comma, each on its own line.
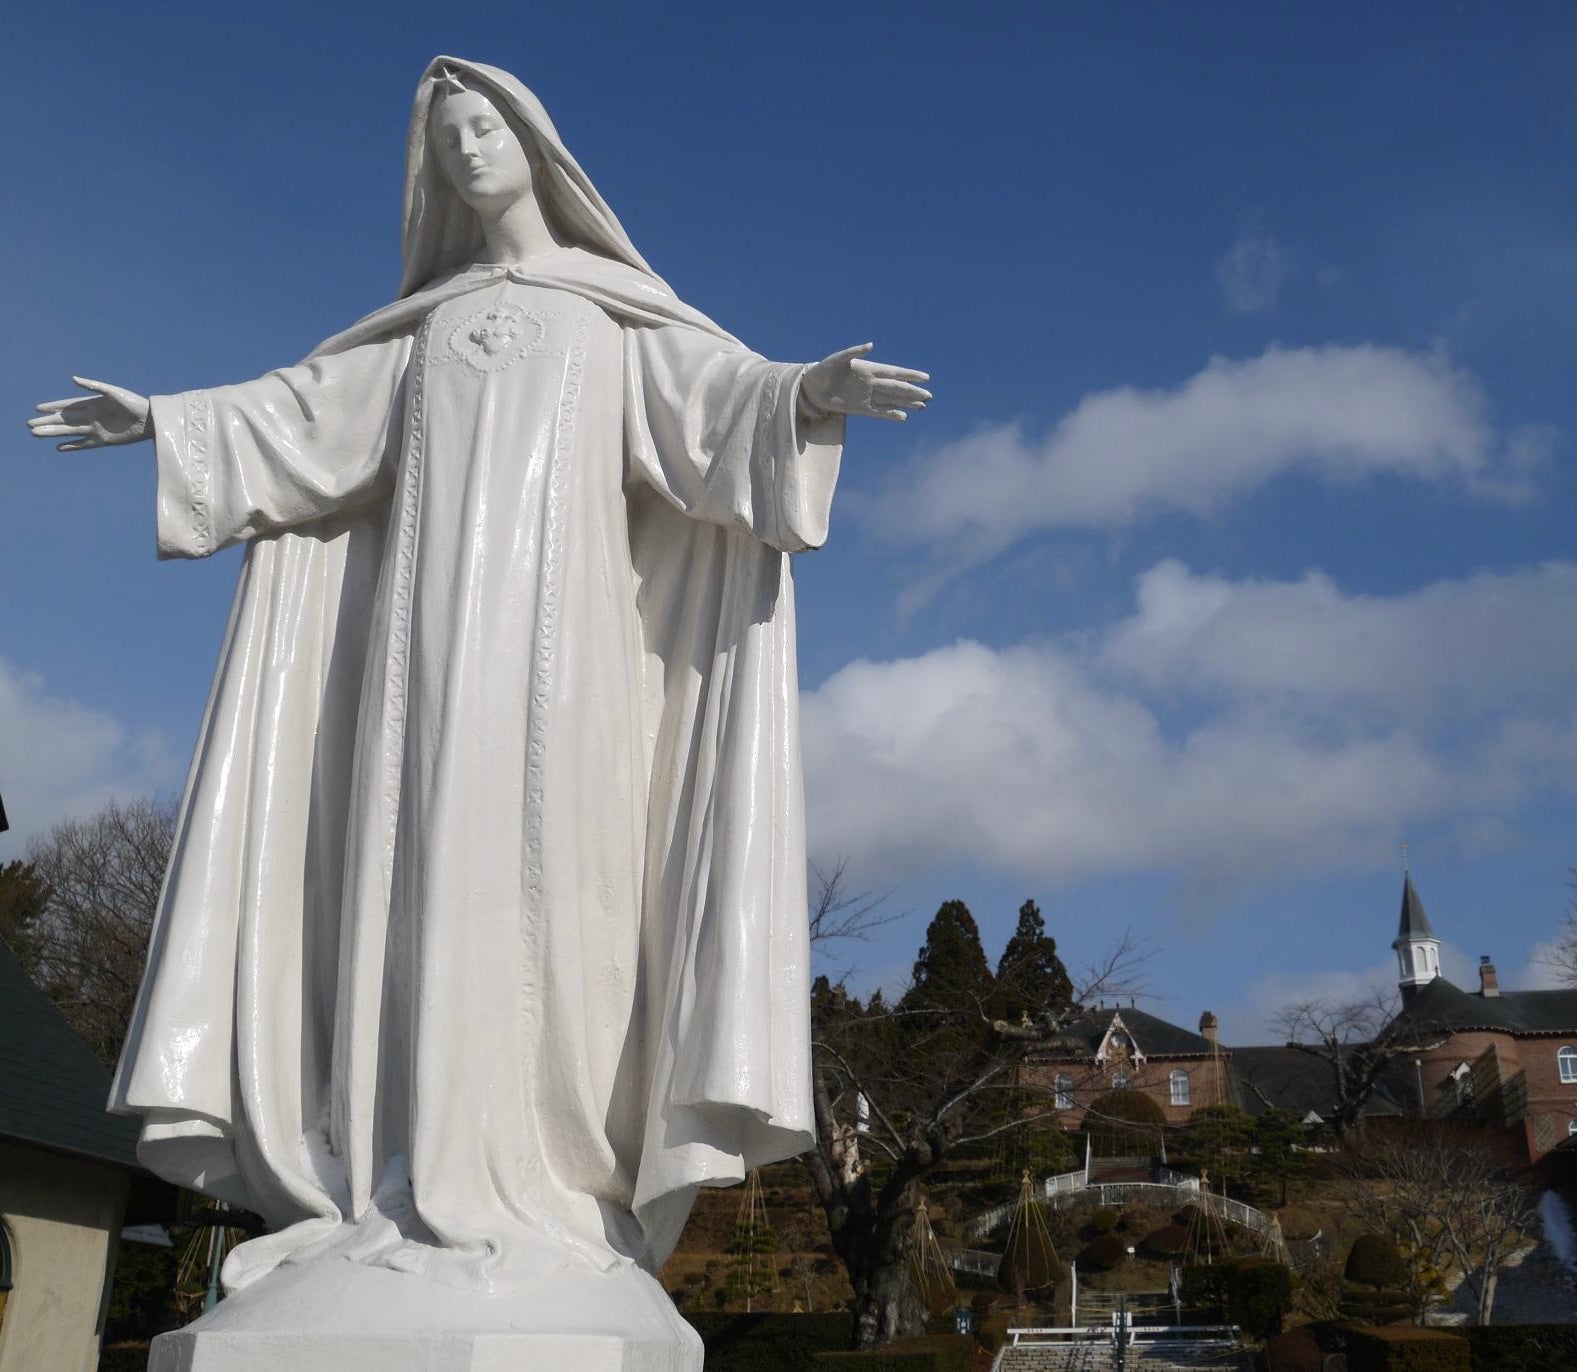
(1030,976)
(951,971)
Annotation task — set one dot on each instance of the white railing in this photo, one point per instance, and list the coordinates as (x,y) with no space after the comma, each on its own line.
(1165,1176)
(1217,1335)
(1067,1181)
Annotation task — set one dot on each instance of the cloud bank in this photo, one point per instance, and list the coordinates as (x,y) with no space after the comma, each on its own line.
(1125,455)
(58,758)
(1221,730)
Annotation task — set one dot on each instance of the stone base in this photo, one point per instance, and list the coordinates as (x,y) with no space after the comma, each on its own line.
(333,1315)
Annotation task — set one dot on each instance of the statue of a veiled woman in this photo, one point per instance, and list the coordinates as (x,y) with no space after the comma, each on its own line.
(483,943)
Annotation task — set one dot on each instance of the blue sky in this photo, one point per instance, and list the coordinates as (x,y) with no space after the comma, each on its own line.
(1236,548)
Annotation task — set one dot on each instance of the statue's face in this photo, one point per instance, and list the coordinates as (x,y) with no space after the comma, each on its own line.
(480,154)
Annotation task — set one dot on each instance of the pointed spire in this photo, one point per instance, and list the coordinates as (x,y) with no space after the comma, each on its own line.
(1414,923)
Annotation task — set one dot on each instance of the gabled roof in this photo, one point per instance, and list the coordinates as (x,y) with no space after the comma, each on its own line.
(52,1089)
(1414,923)
(1440,1006)
(1153,1037)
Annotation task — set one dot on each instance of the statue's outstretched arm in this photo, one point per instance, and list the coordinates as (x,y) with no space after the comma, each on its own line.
(110,415)
(847,383)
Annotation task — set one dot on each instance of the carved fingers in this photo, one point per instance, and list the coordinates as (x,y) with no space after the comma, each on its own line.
(847,382)
(110,415)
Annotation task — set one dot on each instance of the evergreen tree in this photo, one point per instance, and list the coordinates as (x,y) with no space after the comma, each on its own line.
(23,896)
(1030,976)
(1277,1136)
(951,972)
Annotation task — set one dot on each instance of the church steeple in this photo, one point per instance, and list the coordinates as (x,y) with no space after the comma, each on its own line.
(1417,948)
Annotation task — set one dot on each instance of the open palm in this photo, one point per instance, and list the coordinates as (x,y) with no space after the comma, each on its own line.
(108,416)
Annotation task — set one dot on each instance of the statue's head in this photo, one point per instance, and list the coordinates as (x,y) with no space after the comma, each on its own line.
(478,141)
(484,156)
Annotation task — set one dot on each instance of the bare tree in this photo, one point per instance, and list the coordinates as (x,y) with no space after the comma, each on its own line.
(103,875)
(1357,1041)
(899,1089)
(1449,1202)
(1561,956)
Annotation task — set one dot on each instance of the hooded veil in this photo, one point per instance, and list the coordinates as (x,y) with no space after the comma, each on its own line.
(232,1058)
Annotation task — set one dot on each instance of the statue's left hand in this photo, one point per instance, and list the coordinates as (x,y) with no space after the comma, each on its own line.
(846,383)
(109,416)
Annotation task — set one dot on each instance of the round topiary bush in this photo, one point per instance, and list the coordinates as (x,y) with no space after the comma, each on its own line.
(1103,1220)
(1124,1124)
(1375,1261)
(1169,1241)
(1104,1253)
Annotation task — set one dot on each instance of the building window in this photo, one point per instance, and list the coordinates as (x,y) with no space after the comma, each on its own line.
(1120,1082)
(1180,1087)
(1571,1128)
(1567,1058)
(1064,1088)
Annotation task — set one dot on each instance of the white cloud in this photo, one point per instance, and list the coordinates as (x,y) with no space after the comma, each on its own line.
(58,758)
(1251,273)
(1488,642)
(1124,455)
(1056,759)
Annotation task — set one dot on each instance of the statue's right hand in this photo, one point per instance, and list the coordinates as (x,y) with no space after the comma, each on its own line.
(110,415)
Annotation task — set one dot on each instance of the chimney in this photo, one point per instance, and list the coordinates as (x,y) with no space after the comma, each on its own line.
(1488,981)
(1210,1028)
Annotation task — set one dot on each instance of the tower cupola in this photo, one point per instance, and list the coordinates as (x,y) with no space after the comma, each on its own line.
(1417,948)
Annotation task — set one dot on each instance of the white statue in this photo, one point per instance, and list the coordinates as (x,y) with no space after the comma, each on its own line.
(483,944)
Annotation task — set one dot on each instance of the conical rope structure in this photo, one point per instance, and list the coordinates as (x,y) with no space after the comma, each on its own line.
(752,1274)
(1029,1260)
(928,1268)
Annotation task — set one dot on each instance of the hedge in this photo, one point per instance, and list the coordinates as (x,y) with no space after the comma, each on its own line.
(1375,1261)
(1104,1253)
(1255,1293)
(935,1353)
(1295,1351)
(1521,1347)
(770,1342)
(1406,1349)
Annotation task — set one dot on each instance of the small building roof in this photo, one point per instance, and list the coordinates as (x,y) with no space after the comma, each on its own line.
(1153,1037)
(1414,923)
(52,1089)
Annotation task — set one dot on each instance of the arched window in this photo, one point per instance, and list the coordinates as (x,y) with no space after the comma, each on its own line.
(1571,1128)
(1567,1058)
(1120,1081)
(1180,1087)
(1064,1087)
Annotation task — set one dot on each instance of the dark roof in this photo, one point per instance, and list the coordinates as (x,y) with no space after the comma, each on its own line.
(1438,1005)
(1295,1081)
(1414,922)
(1155,1038)
(52,1088)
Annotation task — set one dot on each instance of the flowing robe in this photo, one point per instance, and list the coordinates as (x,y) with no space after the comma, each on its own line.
(483,940)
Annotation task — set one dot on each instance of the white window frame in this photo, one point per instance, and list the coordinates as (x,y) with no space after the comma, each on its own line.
(1063,1089)
(1179,1079)
(1566,1060)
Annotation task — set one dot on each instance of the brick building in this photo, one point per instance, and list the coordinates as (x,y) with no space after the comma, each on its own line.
(1498,1057)
(1112,1047)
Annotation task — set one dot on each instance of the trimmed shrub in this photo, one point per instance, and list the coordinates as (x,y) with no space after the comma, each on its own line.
(1521,1347)
(1104,1253)
(1406,1349)
(1374,1261)
(934,1353)
(1103,1220)
(770,1342)
(1166,1242)
(1123,1124)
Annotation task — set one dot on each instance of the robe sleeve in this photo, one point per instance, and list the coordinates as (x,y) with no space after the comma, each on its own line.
(279,452)
(713,428)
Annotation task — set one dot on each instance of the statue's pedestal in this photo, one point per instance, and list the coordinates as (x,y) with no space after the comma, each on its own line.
(333,1315)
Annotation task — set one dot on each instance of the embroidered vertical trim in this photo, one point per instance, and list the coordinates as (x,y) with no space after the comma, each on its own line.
(543,667)
(398,678)
(199,440)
